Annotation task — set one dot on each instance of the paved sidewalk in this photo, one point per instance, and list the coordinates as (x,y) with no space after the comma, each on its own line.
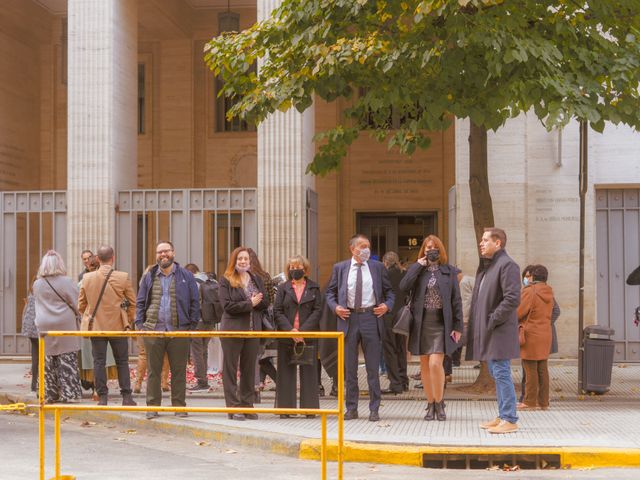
(609,421)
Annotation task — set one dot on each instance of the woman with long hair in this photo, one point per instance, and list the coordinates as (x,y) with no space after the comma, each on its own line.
(55,296)
(437,318)
(297,308)
(243,297)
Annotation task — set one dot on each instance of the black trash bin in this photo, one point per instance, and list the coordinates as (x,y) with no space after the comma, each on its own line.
(597,359)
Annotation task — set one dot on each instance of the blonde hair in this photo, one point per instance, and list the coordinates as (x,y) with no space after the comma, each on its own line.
(300,260)
(51,265)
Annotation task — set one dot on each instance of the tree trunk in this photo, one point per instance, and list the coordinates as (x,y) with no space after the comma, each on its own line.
(482,209)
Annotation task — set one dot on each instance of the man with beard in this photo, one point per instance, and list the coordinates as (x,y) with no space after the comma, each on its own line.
(167,301)
(360,294)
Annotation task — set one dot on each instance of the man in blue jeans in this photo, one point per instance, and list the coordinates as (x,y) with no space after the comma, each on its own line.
(493,324)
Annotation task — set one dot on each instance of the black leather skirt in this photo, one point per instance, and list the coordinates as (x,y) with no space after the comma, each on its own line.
(432,332)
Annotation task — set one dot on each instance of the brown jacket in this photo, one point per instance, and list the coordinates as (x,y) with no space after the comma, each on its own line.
(108,316)
(534,313)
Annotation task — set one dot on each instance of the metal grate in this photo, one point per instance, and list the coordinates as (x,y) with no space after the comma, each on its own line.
(474,461)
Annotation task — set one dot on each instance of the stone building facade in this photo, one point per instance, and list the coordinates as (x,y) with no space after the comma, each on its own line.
(109,109)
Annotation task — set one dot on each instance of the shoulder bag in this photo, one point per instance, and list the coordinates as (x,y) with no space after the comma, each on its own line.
(405,318)
(75,312)
(124,306)
(87,320)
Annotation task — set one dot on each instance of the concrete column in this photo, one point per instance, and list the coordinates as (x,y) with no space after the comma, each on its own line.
(285,149)
(102,109)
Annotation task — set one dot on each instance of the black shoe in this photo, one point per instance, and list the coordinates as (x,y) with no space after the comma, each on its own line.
(251,416)
(181,414)
(321,390)
(127,400)
(405,387)
(198,388)
(310,416)
(415,376)
(236,416)
(284,415)
(103,400)
(151,415)
(374,417)
(351,415)
(418,385)
(334,390)
(390,391)
(440,413)
(477,367)
(431,409)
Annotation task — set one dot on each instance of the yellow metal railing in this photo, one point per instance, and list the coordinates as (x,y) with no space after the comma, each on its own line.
(323,412)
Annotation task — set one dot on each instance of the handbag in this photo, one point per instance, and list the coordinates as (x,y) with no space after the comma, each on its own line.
(75,312)
(268,325)
(404,318)
(521,336)
(87,320)
(302,354)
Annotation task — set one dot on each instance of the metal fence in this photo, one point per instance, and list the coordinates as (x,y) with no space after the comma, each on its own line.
(323,412)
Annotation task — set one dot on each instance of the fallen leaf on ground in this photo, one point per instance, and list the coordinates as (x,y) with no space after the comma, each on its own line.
(384,424)
(130,431)
(557,389)
(495,468)
(88,424)
(373,468)
(230,451)
(120,439)
(202,444)
(510,468)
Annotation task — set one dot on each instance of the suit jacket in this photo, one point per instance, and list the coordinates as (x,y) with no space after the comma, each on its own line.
(309,309)
(416,279)
(108,316)
(337,290)
(493,319)
(237,307)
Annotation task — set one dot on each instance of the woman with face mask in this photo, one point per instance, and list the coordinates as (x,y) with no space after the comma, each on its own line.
(297,308)
(242,297)
(437,318)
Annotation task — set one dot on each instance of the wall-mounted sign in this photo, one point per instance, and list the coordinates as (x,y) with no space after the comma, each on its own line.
(410,241)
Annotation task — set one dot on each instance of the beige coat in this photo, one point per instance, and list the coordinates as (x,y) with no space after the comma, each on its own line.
(108,317)
(534,313)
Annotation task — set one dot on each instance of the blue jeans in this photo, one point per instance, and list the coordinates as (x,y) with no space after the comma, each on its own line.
(505,391)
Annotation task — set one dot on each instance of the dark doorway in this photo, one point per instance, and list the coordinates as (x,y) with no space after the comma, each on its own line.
(399,232)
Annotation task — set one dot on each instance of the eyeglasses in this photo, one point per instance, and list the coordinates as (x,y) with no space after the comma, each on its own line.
(161,252)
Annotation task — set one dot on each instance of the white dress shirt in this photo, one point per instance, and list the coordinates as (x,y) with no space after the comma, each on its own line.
(368,296)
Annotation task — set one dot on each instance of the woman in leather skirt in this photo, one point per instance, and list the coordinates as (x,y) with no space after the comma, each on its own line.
(437,318)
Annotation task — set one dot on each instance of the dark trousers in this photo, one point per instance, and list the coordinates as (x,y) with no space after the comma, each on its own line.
(394,349)
(286,384)
(199,357)
(35,357)
(362,329)
(267,368)
(177,349)
(240,352)
(537,383)
(120,349)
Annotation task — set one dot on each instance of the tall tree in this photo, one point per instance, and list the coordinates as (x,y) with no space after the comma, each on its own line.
(427,62)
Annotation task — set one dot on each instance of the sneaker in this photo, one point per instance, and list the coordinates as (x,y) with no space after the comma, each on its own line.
(503,427)
(181,414)
(493,423)
(198,388)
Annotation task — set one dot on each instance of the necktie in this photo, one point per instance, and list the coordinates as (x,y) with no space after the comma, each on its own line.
(357,303)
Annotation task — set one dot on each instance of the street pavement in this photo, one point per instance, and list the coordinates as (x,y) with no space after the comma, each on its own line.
(602,421)
(106,451)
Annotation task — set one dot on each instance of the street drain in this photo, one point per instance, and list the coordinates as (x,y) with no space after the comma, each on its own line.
(481,462)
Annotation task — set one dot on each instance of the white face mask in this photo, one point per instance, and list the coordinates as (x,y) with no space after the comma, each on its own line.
(364,254)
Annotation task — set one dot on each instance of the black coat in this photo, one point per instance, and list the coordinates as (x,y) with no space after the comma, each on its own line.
(237,308)
(286,305)
(416,279)
(395,277)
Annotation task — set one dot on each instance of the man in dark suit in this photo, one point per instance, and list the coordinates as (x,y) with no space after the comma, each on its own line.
(360,294)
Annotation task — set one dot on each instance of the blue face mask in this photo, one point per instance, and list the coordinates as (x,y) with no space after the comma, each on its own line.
(525,281)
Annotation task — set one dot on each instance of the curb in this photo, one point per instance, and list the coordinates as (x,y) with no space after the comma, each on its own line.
(390,454)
